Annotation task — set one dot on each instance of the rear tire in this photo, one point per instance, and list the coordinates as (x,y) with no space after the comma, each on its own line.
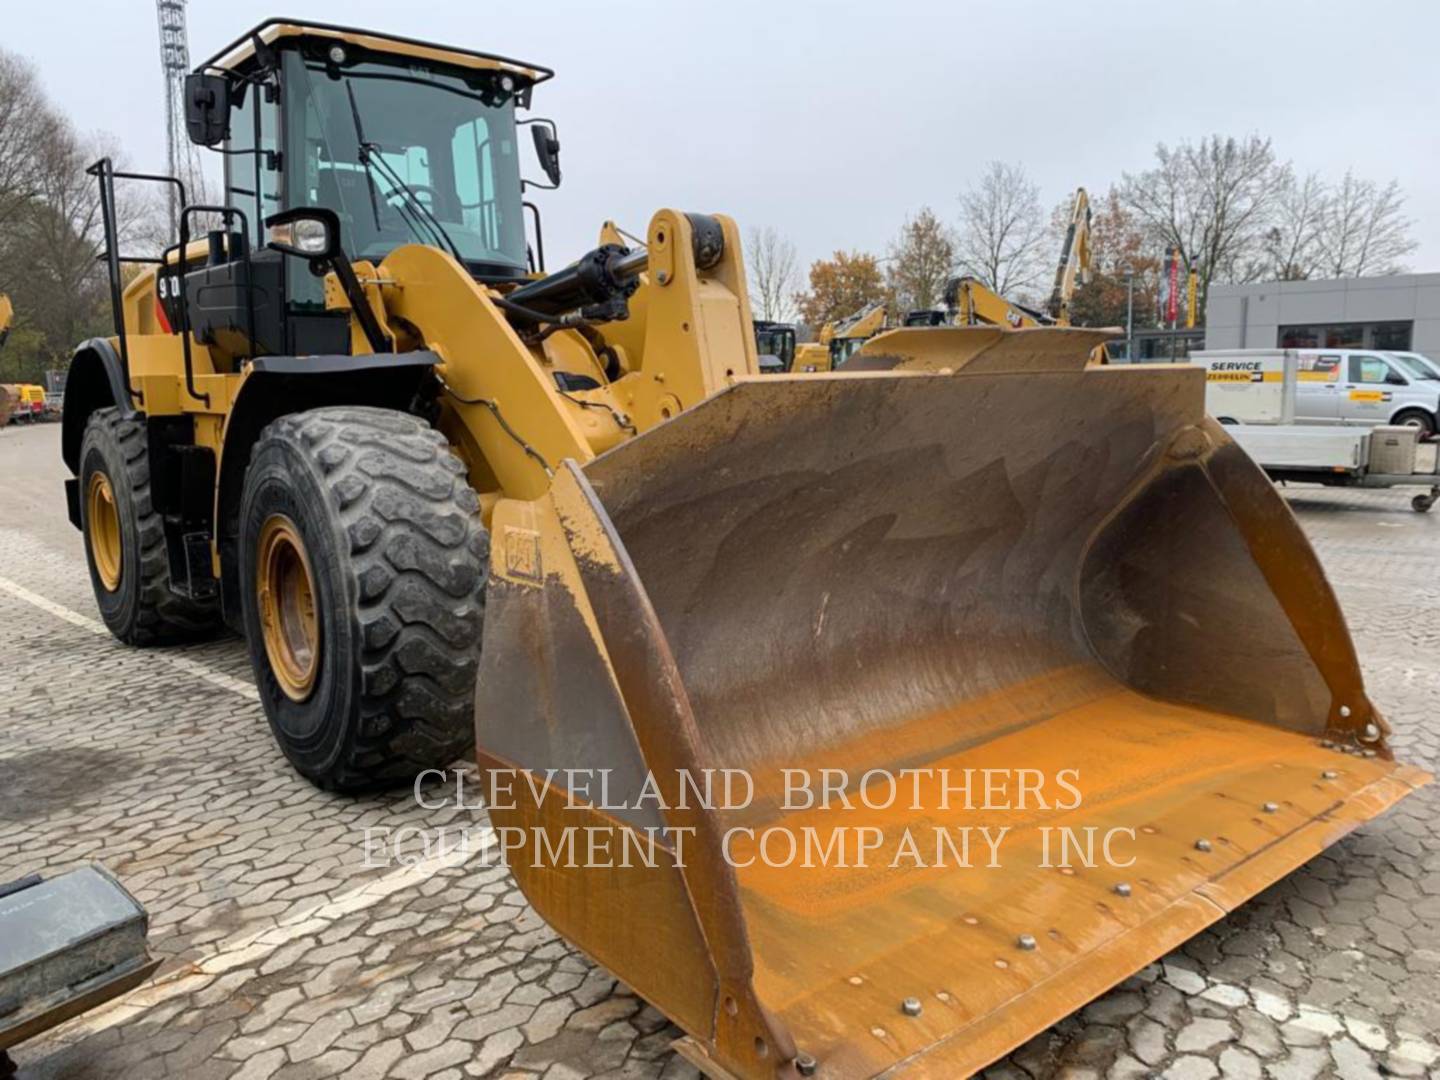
(125,540)
(1416,418)
(378,512)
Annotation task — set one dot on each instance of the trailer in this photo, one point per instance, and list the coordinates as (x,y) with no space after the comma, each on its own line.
(1252,392)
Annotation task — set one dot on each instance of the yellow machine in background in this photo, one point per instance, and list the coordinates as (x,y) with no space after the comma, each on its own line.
(969,302)
(972,303)
(7,317)
(452,500)
(839,340)
(1074,266)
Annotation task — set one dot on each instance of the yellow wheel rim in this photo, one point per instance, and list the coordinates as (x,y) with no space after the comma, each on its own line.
(285,590)
(102,524)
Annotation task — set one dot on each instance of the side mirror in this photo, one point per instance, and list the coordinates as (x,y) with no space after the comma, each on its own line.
(1396,379)
(547,149)
(308,232)
(207,108)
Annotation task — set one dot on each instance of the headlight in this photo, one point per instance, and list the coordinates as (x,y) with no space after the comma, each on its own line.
(308,236)
(311,232)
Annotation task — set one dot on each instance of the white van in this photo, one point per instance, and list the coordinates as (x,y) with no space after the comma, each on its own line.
(1355,386)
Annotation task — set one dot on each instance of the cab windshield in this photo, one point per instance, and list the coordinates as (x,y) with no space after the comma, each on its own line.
(440,142)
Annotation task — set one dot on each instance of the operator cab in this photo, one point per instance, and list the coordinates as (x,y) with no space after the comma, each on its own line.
(775,346)
(403,141)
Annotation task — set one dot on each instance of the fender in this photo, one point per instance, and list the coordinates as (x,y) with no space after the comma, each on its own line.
(95,382)
(278,385)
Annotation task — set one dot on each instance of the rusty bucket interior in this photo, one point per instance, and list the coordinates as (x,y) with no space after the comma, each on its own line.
(1065,576)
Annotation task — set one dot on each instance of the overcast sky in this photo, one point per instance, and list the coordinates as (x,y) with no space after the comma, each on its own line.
(832,122)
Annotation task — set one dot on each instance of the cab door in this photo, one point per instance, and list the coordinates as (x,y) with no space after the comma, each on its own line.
(1367,394)
(1317,390)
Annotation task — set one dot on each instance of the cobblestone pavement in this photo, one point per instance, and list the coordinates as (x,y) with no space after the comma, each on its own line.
(287,957)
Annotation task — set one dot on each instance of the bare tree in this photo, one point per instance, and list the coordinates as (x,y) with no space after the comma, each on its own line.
(50,227)
(1292,243)
(1003,231)
(1212,200)
(921,260)
(774,279)
(58,241)
(25,116)
(1363,230)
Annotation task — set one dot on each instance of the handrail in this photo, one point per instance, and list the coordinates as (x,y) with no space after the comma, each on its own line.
(180,248)
(106,174)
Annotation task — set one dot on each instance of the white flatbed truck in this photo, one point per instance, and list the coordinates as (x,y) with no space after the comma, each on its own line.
(1252,391)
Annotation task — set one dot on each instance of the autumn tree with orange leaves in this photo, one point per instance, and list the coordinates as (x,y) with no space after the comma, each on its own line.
(841,286)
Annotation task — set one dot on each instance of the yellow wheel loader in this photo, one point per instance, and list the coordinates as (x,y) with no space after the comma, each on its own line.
(452,498)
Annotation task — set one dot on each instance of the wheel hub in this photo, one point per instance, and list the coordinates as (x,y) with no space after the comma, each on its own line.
(102,522)
(285,589)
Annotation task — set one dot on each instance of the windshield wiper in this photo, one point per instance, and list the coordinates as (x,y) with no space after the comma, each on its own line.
(416,213)
(363,155)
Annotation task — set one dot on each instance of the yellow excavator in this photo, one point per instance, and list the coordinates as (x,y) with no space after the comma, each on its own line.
(7,317)
(839,340)
(972,303)
(688,615)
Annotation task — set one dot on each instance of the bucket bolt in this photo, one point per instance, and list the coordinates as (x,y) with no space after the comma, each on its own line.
(911,1007)
(1270,807)
(805,1065)
(1026,941)
(1329,774)
(1202,844)
(1122,889)
(1370,733)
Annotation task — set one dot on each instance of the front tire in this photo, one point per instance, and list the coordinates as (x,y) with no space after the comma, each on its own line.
(125,540)
(362,580)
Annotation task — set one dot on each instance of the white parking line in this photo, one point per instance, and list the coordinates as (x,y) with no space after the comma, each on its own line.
(180,662)
(250,949)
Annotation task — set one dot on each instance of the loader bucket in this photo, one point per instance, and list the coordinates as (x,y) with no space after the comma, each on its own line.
(1058,574)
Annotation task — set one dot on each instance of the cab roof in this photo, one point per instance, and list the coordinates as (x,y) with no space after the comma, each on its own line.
(271,31)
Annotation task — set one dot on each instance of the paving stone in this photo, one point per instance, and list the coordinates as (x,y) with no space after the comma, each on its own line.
(318,1038)
(416,1066)
(1352,1062)
(1300,1063)
(1183,979)
(377,1061)
(496,1049)
(1114,1008)
(261,1066)
(1191,1067)
(1368,1034)
(1147,1040)
(1239,1064)
(1199,1036)
(1259,1034)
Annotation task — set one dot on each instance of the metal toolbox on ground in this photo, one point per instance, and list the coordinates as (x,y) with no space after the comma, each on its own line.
(67,944)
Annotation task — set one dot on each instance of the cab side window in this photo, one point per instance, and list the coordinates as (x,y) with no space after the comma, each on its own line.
(1369,369)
